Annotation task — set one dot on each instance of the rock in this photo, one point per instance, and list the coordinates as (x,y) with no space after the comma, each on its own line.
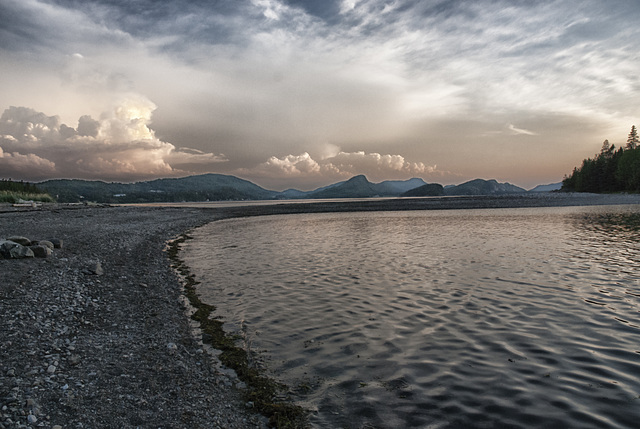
(11,250)
(20,240)
(32,419)
(96,268)
(47,243)
(41,251)
(21,252)
(5,248)
(57,243)
(51,369)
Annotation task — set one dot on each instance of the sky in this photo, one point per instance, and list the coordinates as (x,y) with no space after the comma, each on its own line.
(303,93)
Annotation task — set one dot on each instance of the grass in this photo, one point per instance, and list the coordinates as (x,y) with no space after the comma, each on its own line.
(18,197)
(261,390)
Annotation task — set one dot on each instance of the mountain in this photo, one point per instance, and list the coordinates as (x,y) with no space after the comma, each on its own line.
(360,187)
(426,190)
(296,194)
(547,188)
(219,187)
(356,187)
(205,187)
(483,187)
(400,186)
(291,194)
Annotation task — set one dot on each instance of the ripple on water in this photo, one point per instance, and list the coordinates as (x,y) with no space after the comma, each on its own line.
(495,318)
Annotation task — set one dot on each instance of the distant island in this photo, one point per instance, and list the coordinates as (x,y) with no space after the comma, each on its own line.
(219,187)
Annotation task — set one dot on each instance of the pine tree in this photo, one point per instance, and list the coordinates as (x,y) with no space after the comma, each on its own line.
(632,140)
(607,149)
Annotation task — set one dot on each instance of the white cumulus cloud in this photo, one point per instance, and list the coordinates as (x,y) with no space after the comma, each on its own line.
(339,166)
(117,146)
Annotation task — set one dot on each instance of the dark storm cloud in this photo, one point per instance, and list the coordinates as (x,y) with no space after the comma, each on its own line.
(206,21)
(328,10)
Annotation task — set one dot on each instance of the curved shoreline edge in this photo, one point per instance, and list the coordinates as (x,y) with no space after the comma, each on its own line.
(263,393)
(121,348)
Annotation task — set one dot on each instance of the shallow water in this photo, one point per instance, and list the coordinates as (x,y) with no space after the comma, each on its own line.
(469,318)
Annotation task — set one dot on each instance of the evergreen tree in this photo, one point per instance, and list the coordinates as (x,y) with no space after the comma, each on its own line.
(632,140)
(610,170)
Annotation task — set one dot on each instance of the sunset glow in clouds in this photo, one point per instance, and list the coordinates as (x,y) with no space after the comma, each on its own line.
(305,93)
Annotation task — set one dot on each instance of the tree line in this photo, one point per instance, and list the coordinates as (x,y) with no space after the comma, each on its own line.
(611,170)
(21,187)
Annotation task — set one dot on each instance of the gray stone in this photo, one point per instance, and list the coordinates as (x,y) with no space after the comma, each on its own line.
(41,251)
(32,419)
(5,248)
(11,250)
(21,252)
(96,268)
(20,240)
(57,243)
(45,243)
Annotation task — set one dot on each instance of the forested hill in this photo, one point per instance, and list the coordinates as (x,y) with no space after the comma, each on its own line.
(611,170)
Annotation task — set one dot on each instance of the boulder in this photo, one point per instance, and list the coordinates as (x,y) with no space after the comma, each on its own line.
(57,242)
(5,248)
(11,250)
(44,243)
(20,240)
(41,251)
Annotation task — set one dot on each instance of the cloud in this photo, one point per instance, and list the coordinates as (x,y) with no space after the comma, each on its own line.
(17,165)
(347,6)
(255,78)
(290,165)
(340,166)
(118,146)
(377,164)
(518,131)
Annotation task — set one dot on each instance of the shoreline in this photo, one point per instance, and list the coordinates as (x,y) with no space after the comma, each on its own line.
(117,349)
(112,350)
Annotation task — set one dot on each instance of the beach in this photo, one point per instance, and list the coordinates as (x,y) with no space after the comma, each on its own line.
(97,334)
(114,349)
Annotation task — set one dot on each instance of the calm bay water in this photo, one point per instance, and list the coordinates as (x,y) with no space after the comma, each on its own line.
(468,318)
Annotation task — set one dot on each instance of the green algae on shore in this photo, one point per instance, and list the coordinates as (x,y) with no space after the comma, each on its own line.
(261,390)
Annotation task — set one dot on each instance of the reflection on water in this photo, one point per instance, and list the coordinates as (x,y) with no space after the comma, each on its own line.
(470,318)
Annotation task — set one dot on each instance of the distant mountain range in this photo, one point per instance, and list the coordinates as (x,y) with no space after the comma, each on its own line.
(219,187)
(547,188)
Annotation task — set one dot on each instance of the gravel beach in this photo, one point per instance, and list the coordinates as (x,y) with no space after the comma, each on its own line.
(115,350)
(97,336)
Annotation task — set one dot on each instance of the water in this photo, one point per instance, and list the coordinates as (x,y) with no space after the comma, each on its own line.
(471,318)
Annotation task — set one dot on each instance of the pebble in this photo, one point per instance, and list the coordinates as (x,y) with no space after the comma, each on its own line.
(96,268)
(64,341)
